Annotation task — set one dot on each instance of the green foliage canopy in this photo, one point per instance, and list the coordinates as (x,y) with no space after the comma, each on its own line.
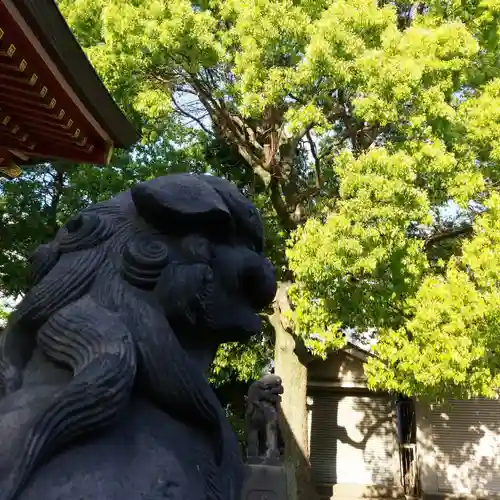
(379,257)
(356,121)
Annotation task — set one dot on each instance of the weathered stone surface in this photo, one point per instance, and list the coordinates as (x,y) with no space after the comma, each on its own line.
(264,482)
(103,392)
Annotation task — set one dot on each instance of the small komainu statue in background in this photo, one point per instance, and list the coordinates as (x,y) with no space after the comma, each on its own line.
(264,397)
(103,387)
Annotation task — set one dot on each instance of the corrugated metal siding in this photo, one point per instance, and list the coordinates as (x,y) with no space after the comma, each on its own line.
(352,438)
(466,441)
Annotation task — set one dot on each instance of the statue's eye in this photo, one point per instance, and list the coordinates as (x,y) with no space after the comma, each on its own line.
(74,224)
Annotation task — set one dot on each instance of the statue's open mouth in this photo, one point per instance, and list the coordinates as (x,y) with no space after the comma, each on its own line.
(219,296)
(237,324)
(233,322)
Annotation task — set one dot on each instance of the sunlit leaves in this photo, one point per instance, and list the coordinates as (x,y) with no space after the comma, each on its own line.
(450,345)
(406,122)
(412,73)
(264,52)
(241,362)
(359,264)
(480,117)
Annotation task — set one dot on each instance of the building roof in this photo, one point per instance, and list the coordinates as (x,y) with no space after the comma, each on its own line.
(364,341)
(52,103)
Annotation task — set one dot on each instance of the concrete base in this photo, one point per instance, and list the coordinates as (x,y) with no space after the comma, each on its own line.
(264,482)
(359,492)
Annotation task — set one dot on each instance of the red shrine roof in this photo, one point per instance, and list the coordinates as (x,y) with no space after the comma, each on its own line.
(52,103)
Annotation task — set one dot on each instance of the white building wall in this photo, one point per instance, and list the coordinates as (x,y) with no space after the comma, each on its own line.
(425,449)
(459,449)
(342,375)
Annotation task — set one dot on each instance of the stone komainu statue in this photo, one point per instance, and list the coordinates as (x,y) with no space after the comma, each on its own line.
(103,393)
(261,417)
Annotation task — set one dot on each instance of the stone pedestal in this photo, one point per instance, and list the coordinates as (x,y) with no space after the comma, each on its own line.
(264,482)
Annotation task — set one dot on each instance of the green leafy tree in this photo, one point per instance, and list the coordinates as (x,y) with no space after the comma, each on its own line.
(384,255)
(352,123)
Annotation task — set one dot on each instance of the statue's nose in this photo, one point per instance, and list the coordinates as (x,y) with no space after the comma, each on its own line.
(258,280)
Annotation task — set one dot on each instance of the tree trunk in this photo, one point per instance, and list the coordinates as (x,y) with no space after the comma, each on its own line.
(293,415)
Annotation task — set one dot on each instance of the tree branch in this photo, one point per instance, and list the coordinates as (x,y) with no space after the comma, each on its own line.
(279,205)
(436,238)
(317,165)
(191,117)
(58,187)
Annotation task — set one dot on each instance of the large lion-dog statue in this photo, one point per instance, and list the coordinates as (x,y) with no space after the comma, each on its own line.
(103,388)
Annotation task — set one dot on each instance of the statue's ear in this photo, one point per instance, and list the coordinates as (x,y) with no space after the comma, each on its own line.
(181,203)
(247,218)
